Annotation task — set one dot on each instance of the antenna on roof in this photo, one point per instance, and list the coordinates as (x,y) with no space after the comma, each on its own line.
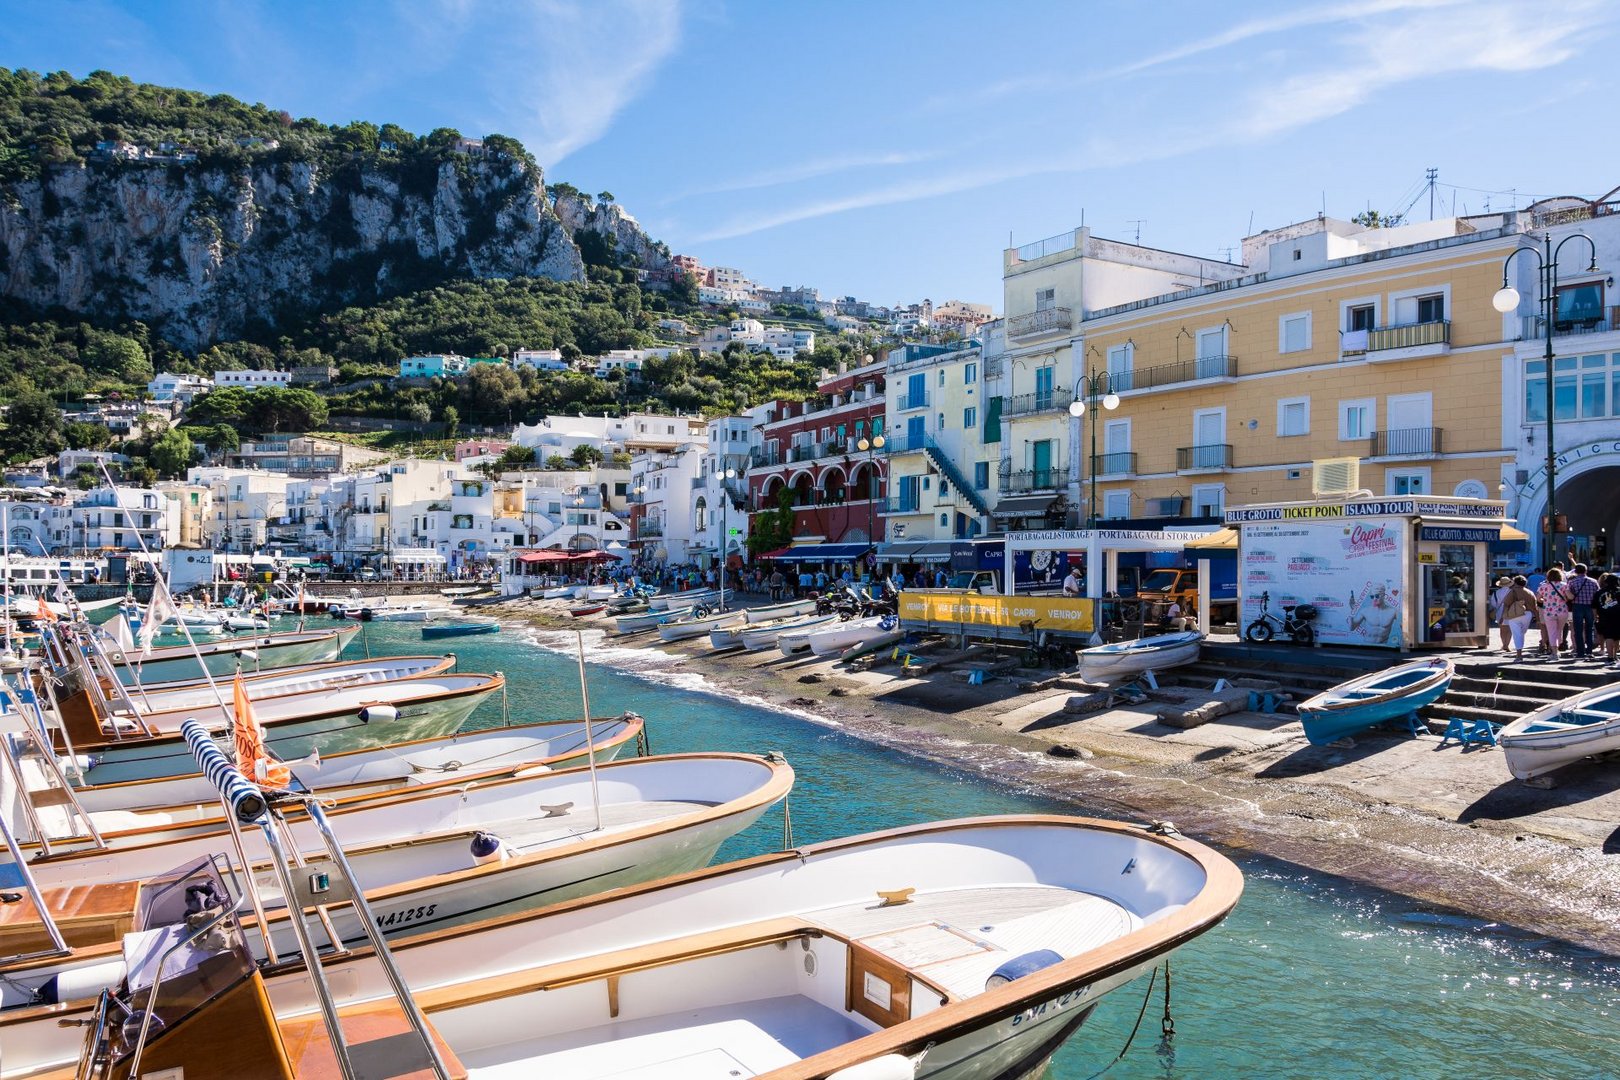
(1431,174)
(1138,223)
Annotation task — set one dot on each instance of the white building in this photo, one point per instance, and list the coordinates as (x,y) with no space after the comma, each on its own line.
(540,360)
(169,388)
(558,435)
(251,379)
(121,519)
(244,503)
(719,504)
(785,344)
(663,482)
(69,462)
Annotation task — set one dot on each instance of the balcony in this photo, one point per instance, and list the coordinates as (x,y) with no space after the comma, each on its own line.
(1193,369)
(994,367)
(1042,401)
(1206,458)
(1533,327)
(904,504)
(912,401)
(1052,320)
(1409,342)
(1405,442)
(650,527)
(1036,480)
(760,459)
(1118,464)
(699,483)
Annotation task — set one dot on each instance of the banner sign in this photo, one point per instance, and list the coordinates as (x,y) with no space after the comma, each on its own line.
(1452,508)
(1068,614)
(1350,571)
(1458,535)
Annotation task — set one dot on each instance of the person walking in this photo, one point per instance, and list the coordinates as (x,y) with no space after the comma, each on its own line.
(1606,612)
(1582,591)
(1503,584)
(777,582)
(1553,598)
(1517,610)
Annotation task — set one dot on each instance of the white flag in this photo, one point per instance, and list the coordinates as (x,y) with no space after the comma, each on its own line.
(118,627)
(159,611)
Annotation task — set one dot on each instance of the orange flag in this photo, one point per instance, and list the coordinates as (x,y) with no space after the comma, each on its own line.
(45,612)
(251,756)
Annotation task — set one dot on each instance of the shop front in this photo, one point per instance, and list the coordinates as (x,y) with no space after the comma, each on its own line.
(1397,573)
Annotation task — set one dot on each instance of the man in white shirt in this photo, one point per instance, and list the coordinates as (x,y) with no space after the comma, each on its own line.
(1072,584)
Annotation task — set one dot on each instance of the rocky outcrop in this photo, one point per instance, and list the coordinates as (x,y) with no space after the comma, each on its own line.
(203,253)
(579,212)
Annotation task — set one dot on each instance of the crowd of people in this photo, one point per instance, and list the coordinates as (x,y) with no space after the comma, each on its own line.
(1576,608)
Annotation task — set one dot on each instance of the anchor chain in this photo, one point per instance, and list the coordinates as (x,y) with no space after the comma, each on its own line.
(1168,1024)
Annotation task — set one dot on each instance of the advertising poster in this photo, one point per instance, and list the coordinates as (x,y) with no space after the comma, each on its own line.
(1348,568)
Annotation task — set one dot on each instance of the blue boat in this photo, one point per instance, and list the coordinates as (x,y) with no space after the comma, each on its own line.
(1395,693)
(459,630)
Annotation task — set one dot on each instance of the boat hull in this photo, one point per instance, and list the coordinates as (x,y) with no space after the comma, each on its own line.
(430,633)
(1121,660)
(681,630)
(1357,705)
(780,611)
(1555,736)
(256,655)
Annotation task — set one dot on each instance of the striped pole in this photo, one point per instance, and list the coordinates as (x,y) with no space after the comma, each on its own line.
(244,799)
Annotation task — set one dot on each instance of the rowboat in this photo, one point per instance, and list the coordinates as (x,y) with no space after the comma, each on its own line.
(430,633)
(693,598)
(780,611)
(836,637)
(1106,663)
(967,950)
(764,635)
(1392,694)
(224,657)
(594,592)
(697,625)
(555,592)
(1579,726)
(422,862)
(646,620)
(396,613)
(586,610)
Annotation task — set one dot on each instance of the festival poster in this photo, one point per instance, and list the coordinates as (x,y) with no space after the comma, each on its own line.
(1349,569)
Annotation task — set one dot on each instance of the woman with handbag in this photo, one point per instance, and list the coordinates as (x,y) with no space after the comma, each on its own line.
(1553,599)
(1518,608)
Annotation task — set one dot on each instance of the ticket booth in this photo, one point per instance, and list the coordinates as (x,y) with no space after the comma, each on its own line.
(1397,573)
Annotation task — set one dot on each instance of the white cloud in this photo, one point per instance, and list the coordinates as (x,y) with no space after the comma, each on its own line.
(807,170)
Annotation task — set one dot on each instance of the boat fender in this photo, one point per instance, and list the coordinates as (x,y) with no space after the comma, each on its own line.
(488,848)
(1019,966)
(378,712)
(887,1067)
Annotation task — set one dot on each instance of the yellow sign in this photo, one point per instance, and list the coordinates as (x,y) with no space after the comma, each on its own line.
(1428,556)
(1063,613)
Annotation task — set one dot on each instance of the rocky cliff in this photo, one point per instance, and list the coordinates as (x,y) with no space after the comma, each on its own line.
(203,253)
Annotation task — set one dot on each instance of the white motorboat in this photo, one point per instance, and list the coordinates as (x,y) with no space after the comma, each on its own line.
(258,653)
(1559,734)
(693,598)
(439,858)
(594,592)
(646,620)
(697,625)
(245,622)
(555,592)
(836,637)
(772,612)
(397,612)
(966,950)
(1122,659)
(764,635)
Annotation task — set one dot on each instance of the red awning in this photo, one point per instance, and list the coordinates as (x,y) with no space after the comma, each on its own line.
(594,556)
(778,553)
(544,556)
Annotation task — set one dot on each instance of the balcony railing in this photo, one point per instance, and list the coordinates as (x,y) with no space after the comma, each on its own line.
(1406,442)
(1407,337)
(1181,371)
(1533,327)
(904,504)
(649,527)
(1117,464)
(1046,321)
(913,401)
(760,459)
(1037,479)
(1208,456)
(994,367)
(1042,401)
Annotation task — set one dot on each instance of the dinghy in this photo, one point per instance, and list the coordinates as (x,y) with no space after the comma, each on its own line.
(697,625)
(430,633)
(694,598)
(224,657)
(836,637)
(594,592)
(1580,726)
(555,592)
(967,950)
(1393,694)
(646,620)
(780,611)
(584,611)
(764,635)
(1123,659)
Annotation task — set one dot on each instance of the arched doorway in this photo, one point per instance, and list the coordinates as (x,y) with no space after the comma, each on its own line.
(1589,499)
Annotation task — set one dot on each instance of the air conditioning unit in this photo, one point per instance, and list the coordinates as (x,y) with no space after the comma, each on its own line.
(1166,507)
(1335,476)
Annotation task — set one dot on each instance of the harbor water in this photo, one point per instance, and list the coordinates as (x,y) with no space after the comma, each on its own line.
(1310,976)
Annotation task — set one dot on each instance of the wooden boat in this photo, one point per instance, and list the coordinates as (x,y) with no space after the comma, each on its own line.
(554,592)
(772,612)
(224,657)
(1122,659)
(430,633)
(646,620)
(417,856)
(1392,694)
(967,950)
(764,635)
(1579,726)
(836,637)
(694,598)
(694,625)
(586,610)
(181,695)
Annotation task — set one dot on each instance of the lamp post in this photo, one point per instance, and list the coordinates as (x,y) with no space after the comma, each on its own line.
(1506,300)
(870,447)
(579,519)
(1091,391)
(725,531)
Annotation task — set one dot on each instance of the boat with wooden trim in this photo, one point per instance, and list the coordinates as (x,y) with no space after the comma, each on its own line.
(168,662)
(646,620)
(1377,698)
(1580,726)
(967,950)
(585,611)
(758,636)
(771,612)
(695,625)
(691,598)
(1123,659)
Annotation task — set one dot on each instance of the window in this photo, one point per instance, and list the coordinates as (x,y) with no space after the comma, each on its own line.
(1208,500)
(981,475)
(1116,504)
(1431,308)
(970,418)
(944,520)
(1360,317)
(1294,416)
(908,494)
(1121,361)
(970,374)
(1043,387)
(1406,482)
(1584,388)
(1358,419)
(1045,299)
(944,487)
(1294,333)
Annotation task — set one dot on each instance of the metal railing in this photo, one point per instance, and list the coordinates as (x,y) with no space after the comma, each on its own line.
(904,504)
(1533,327)
(1046,321)
(1042,401)
(1122,463)
(994,367)
(1180,371)
(1406,442)
(1063,241)
(913,401)
(649,527)
(759,459)
(1406,337)
(1208,456)
(1036,479)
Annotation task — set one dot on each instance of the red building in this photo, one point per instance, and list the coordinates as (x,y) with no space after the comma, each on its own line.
(813,449)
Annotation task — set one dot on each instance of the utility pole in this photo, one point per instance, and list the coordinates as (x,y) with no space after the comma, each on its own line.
(1431,174)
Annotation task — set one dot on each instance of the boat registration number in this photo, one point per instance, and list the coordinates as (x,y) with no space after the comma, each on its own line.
(1057,1004)
(406,915)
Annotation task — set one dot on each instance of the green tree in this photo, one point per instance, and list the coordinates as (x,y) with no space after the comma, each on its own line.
(224,405)
(33,427)
(516,457)
(418,412)
(82,436)
(584,454)
(172,453)
(556,462)
(452,420)
(773,528)
(285,408)
(222,437)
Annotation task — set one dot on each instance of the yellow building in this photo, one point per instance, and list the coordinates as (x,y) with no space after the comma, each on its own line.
(1337,343)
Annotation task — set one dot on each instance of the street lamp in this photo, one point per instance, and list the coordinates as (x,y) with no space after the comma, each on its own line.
(579,519)
(725,531)
(1506,300)
(870,447)
(1092,389)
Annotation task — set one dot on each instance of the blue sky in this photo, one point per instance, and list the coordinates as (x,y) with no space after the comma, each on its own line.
(889,149)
